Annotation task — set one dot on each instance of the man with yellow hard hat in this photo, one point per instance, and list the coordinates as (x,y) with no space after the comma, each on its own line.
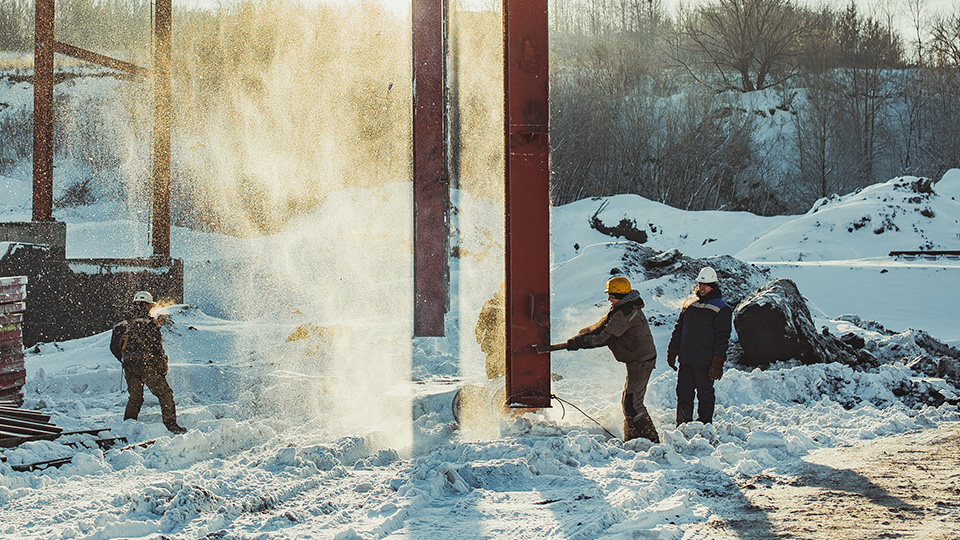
(625,330)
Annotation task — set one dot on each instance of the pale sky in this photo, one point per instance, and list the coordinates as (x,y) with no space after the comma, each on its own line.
(875,8)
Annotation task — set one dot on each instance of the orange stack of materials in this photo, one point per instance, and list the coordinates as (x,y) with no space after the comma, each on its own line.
(13,374)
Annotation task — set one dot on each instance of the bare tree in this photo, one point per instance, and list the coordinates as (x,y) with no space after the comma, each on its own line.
(945,41)
(751,44)
(917,9)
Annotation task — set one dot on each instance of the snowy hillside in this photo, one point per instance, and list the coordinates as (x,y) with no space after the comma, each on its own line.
(313,415)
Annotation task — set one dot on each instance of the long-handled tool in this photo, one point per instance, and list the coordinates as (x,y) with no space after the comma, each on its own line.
(551,348)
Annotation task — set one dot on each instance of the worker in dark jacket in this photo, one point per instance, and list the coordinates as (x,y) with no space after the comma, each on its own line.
(136,342)
(699,341)
(625,330)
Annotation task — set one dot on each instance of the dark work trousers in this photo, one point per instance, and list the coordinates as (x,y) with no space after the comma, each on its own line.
(694,381)
(137,375)
(638,374)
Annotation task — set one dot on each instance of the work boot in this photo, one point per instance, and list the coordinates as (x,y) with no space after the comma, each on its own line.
(175,428)
(630,431)
(684,415)
(647,430)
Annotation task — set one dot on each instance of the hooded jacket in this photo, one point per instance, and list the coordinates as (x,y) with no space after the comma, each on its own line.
(624,329)
(702,331)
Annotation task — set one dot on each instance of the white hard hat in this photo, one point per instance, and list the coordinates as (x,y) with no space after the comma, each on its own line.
(143,296)
(707,275)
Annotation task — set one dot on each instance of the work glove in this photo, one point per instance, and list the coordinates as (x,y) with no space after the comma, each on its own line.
(574,343)
(672,359)
(716,369)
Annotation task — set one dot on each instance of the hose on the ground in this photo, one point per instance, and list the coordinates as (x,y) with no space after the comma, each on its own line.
(562,401)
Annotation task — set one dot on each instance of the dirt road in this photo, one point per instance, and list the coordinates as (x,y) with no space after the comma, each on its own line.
(907,486)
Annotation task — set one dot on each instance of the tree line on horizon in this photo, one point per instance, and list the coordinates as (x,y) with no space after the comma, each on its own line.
(757,105)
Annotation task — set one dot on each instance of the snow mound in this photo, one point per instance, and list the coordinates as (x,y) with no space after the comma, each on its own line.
(906,213)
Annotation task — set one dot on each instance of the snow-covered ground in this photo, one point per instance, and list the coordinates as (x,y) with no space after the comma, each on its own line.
(312,413)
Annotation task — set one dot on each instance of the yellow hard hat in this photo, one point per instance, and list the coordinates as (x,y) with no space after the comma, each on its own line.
(618,285)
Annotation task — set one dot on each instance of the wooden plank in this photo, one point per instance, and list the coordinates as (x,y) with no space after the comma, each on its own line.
(13,289)
(10,327)
(11,412)
(11,360)
(925,252)
(42,464)
(84,432)
(9,439)
(15,307)
(143,444)
(13,281)
(12,338)
(19,425)
(11,318)
(10,349)
(11,297)
(9,380)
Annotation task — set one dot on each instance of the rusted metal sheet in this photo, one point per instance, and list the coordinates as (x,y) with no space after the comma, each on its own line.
(527,179)
(162,105)
(431,193)
(43,111)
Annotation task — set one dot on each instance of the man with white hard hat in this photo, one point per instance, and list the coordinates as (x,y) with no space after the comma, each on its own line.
(137,343)
(699,343)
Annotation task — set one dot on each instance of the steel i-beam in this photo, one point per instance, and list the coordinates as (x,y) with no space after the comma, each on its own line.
(43,111)
(430,179)
(527,179)
(162,103)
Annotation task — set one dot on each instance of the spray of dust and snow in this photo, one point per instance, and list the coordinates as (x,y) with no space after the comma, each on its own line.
(313,415)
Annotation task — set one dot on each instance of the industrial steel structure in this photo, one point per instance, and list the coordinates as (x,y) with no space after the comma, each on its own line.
(526,175)
(45,46)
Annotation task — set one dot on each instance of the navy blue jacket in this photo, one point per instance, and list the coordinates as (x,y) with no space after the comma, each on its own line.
(702,330)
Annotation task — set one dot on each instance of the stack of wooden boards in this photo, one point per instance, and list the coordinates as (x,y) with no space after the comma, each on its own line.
(13,374)
(18,426)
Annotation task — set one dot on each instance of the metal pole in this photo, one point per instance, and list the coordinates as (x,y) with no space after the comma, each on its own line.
(43,111)
(527,186)
(431,193)
(161,129)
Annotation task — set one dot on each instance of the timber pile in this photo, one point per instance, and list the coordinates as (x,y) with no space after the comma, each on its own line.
(18,426)
(13,374)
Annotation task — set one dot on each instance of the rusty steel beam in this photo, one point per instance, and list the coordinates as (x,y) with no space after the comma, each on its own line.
(527,182)
(97,58)
(431,193)
(43,111)
(162,102)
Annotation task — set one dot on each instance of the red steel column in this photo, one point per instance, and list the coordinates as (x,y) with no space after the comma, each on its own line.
(161,129)
(430,179)
(527,179)
(43,111)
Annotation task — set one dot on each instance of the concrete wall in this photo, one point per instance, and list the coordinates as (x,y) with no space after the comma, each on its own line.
(73,298)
